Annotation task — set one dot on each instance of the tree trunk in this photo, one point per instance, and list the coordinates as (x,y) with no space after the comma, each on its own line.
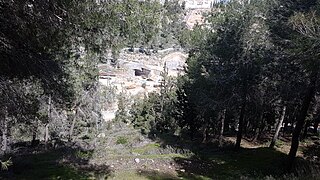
(258,128)
(301,118)
(240,128)
(305,130)
(226,124)
(34,136)
(315,125)
(46,135)
(222,118)
(263,128)
(5,133)
(242,114)
(192,132)
(72,126)
(276,134)
(285,127)
(205,132)
(245,128)
(256,134)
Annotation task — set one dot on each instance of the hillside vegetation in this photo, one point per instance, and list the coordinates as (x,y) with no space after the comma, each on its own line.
(244,106)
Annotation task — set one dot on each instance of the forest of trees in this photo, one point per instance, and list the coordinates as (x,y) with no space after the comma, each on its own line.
(49,57)
(50,52)
(252,71)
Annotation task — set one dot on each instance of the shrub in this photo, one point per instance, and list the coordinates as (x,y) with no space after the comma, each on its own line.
(122,140)
(6,164)
(83,154)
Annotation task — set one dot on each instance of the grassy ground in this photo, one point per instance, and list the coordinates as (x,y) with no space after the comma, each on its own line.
(41,166)
(247,163)
(57,164)
(159,159)
(254,163)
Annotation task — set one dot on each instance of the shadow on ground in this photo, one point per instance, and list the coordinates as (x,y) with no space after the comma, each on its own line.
(208,161)
(253,163)
(156,175)
(312,152)
(63,163)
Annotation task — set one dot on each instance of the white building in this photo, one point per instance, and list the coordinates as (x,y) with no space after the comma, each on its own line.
(202,4)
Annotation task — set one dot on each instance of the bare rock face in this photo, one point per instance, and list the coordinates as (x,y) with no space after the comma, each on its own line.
(138,74)
(101,135)
(137,160)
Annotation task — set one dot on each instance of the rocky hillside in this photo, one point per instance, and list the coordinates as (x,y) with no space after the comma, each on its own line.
(137,73)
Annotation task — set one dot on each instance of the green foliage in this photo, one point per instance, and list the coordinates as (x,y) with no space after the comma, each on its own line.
(224,64)
(143,115)
(6,164)
(191,39)
(122,140)
(83,154)
(155,113)
(279,143)
(123,104)
(172,25)
(52,49)
(252,52)
(254,57)
(145,149)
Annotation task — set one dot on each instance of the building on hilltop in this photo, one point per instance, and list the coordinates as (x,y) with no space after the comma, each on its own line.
(202,4)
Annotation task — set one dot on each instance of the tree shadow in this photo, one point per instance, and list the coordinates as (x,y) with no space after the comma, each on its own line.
(63,163)
(211,161)
(252,163)
(156,175)
(312,152)
(184,144)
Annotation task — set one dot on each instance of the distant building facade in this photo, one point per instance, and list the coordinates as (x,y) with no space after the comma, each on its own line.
(202,4)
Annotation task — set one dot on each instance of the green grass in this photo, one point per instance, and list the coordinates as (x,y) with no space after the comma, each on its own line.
(142,175)
(83,154)
(247,163)
(164,156)
(145,149)
(254,163)
(153,175)
(279,143)
(148,156)
(122,140)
